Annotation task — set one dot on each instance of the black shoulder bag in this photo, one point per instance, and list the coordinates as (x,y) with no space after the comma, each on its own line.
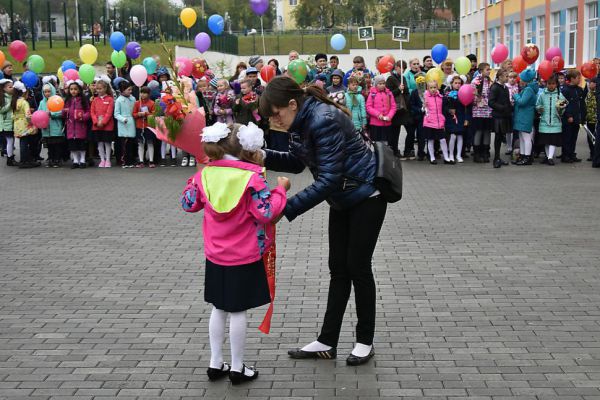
(388,176)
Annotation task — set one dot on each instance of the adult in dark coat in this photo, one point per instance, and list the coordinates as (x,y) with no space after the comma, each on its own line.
(396,83)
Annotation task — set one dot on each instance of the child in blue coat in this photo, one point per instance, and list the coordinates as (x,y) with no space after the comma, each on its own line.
(524,115)
(457,118)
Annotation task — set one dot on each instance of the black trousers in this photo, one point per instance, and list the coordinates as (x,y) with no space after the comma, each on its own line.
(55,151)
(409,142)
(28,148)
(129,148)
(570,133)
(353,235)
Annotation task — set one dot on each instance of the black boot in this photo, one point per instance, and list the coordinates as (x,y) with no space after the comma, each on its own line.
(476,154)
(10,162)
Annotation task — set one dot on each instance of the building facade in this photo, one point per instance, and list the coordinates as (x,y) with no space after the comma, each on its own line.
(283,10)
(571,25)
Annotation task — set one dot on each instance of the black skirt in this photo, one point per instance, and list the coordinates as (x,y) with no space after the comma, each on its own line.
(77,144)
(502,126)
(144,135)
(379,133)
(548,139)
(481,124)
(103,136)
(236,288)
(433,134)
(7,134)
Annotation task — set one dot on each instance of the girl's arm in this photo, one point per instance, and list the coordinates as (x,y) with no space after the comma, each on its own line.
(363,110)
(370,110)
(136,110)
(190,198)
(93,112)
(265,204)
(539,104)
(392,110)
(109,111)
(118,116)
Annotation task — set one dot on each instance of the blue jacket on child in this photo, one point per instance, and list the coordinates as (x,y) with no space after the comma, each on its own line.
(525,102)
(576,107)
(455,123)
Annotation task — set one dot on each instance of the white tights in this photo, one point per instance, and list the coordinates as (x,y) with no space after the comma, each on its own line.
(237,338)
(104,149)
(458,139)
(525,143)
(78,156)
(10,146)
(149,152)
(163,150)
(550,151)
(431,149)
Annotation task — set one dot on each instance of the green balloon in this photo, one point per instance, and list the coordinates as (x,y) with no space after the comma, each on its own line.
(462,65)
(298,70)
(87,73)
(36,64)
(118,58)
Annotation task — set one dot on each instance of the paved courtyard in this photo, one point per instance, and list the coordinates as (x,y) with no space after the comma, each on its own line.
(488,288)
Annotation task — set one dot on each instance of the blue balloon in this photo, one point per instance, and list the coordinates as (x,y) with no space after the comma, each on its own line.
(150,64)
(338,42)
(216,24)
(67,65)
(117,41)
(439,53)
(30,79)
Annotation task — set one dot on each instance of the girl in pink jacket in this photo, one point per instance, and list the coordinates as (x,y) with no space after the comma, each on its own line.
(239,212)
(76,114)
(381,108)
(434,121)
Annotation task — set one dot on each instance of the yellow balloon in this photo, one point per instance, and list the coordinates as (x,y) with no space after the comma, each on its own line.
(188,17)
(59,74)
(435,74)
(88,54)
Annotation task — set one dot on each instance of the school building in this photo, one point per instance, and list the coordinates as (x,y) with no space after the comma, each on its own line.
(571,25)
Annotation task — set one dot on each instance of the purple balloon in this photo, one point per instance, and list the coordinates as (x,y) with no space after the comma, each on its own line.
(133,50)
(259,7)
(202,42)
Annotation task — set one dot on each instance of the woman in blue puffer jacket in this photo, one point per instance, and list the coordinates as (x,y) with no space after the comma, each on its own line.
(323,139)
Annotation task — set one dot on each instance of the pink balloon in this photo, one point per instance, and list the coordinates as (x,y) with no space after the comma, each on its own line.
(40,119)
(71,75)
(499,53)
(466,94)
(184,66)
(553,52)
(18,50)
(138,75)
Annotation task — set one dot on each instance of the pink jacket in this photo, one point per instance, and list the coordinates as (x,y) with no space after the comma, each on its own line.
(76,118)
(434,118)
(238,210)
(380,103)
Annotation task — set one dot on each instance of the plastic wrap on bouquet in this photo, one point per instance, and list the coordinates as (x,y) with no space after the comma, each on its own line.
(269,261)
(189,137)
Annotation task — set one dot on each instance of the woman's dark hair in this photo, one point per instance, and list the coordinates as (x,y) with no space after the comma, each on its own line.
(237,70)
(426,58)
(16,96)
(124,85)
(85,103)
(2,93)
(402,64)
(482,66)
(275,61)
(282,89)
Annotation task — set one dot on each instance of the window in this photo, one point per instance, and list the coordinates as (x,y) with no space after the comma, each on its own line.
(591,29)
(555,38)
(44,25)
(293,2)
(529,31)
(490,44)
(517,38)
(507,38)
(571,36)
(473,7)
(541,33)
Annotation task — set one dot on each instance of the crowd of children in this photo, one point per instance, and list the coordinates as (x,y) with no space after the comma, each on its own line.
(109,118)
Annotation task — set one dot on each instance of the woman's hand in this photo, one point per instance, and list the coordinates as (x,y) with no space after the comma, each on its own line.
(285,182)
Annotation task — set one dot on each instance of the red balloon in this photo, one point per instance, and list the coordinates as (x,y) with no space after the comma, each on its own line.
(546,69)
(267,73)
(199,67)
(530,53)
(589,70)
(519,64)
(558,63)
(386,64)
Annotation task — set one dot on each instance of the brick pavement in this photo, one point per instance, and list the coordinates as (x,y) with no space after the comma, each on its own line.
(487,284)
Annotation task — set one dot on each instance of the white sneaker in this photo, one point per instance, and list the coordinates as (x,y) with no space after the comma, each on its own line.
(459,160)
(184,162)
(192,162)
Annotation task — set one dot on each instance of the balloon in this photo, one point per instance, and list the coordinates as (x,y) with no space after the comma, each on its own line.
(55,103)
(466,94)
(519,64)
(386,64)
(117,41)
(18,50)
(2,58)
(338,42)
(199,67)
(138,75)
(133,50)
(216,24)
(87,73)
(553,52)
(545,69)
(59,73)
(30,79)
(298,70)
(530,53)
(439,53)
(40,119)
(202,42)
(88,53)
(67,65)
(499,53)
(71,75)
(150,64)
(267,73)
(462,65)
(118,58)
(36,64)
(188,17)
(183,66)
(589,70)
(558,63)
(259,7)
(435,74)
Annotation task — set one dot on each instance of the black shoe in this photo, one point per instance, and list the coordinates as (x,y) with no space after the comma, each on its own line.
(544,161)
(486,159)
(433,162)
(239,377)
(504,162)
(497,163)
(528,160)
(82,165)
(575,159)
(26,165)
(301,354)
(356,360)
(10,162)
(91,163)
(75,165)
(448,162)
(566,160)
(56,164)
(216,373)
(421,158)
(550,161)
(36,164)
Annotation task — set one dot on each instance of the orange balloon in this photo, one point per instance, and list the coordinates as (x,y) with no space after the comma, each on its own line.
(519,64)
(589,70)
(267,73)
(55,104)
(386,64)
(2,57)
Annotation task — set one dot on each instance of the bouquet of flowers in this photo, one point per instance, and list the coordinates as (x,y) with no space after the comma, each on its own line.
(251,100)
